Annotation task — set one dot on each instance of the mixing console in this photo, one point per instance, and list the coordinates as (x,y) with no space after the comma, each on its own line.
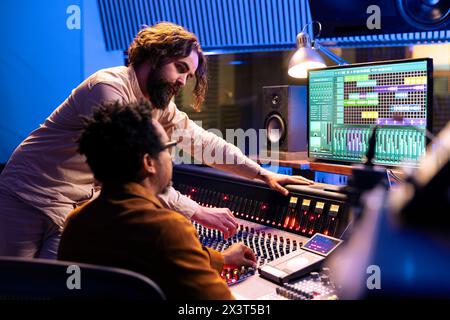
(267,244)
(271,224)
(304,212)
(315,286)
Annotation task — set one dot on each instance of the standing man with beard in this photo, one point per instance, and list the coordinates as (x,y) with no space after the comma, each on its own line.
(46,177)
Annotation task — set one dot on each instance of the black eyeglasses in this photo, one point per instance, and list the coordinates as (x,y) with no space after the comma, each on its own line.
(169,144)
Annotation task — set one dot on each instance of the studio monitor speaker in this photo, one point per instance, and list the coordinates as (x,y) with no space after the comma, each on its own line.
(285,116)
(348,18)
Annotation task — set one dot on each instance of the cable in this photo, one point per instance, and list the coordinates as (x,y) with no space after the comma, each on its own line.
(396,177)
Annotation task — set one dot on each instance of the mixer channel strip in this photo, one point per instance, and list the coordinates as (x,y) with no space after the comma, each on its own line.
(305,211)
(267,246)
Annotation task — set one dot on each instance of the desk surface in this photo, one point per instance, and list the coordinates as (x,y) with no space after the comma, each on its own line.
(318,166)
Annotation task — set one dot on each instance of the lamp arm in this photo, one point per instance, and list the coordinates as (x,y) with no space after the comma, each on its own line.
(317,46)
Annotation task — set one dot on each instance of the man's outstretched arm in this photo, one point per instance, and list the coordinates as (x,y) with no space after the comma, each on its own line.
(178,125)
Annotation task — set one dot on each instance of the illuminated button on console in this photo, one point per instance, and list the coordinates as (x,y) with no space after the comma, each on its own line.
(233,275)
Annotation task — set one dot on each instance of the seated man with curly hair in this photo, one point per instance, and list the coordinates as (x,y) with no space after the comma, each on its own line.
(127,226)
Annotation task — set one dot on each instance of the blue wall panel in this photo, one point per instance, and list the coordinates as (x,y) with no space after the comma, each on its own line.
(221,25)
(40,63)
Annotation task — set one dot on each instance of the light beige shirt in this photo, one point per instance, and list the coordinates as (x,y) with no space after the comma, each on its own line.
(47,172)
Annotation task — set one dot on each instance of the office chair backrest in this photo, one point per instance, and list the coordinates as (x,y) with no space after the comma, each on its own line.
(39,279)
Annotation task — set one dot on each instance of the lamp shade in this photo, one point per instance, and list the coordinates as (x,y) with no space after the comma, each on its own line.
(302,60)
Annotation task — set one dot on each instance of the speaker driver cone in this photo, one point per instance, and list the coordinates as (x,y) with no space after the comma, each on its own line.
(425,14)
(276,128)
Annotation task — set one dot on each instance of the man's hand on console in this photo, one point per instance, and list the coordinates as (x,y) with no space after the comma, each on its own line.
(276,181)
(239,254)
(217,218)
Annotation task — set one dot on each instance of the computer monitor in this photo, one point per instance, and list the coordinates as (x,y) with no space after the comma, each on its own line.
(346,102)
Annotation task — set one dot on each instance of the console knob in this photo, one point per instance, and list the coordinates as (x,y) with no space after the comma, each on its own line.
(325,279)
(315,275)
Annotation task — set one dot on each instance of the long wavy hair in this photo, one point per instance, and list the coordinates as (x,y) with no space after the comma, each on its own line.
(166,42)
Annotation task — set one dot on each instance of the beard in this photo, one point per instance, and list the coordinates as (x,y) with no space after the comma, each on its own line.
(160,91)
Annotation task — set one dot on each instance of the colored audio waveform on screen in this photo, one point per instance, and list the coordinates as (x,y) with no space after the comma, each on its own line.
(378,98)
